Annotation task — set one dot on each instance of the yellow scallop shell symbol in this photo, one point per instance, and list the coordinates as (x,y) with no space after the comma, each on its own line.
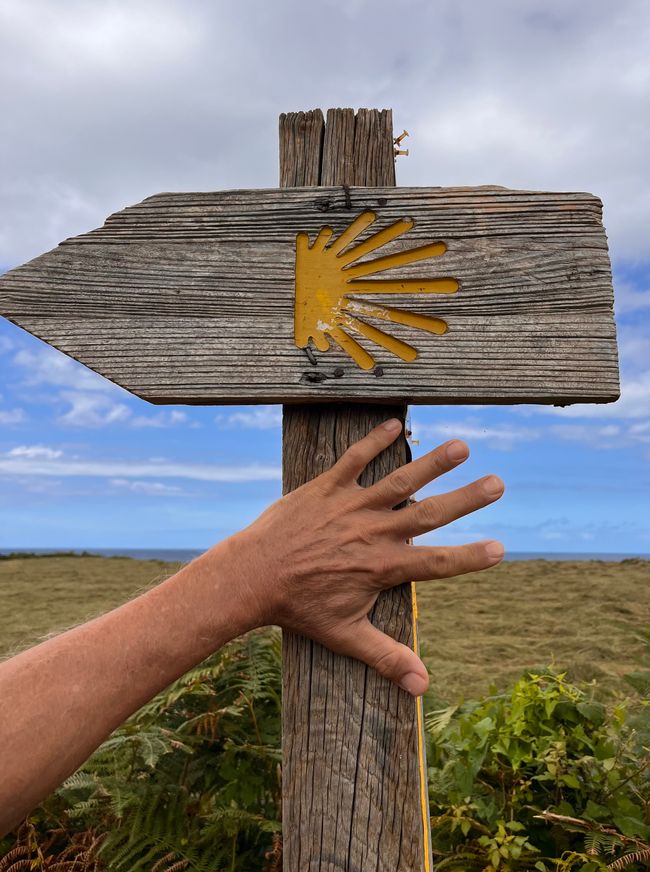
(327,273)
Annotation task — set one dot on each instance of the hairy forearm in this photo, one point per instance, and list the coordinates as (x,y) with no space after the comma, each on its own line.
(62,698)
(314,563)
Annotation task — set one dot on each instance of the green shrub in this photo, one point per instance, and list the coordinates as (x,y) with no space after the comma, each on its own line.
(500,765)
(542,777)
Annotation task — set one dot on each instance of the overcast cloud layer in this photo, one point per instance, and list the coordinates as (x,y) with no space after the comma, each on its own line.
(104,103)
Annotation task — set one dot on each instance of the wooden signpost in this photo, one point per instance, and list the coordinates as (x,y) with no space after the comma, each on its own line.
(344,298)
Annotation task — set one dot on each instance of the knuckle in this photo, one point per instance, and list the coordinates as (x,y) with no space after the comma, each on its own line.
(400,482)
(431,513)
(473,495)
(438,462)
(384,568)
(387,662)
(353,454)
(444,563)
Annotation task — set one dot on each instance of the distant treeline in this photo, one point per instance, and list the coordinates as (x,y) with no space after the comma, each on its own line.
(32,555)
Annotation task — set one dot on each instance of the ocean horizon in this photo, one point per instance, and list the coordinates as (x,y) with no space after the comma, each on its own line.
(184,555)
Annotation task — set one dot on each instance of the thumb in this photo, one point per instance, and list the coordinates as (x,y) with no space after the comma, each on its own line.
(390,658)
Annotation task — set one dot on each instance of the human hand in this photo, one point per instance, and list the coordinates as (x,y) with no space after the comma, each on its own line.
(316,560)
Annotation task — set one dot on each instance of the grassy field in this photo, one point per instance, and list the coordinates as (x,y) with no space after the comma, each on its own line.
(489,627)
(476,630)
(44,595)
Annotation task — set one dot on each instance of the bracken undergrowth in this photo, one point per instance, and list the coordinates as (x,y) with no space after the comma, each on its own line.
(540,777)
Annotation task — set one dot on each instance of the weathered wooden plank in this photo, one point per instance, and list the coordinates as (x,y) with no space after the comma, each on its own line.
(351,767)
(535,298)
(543,358)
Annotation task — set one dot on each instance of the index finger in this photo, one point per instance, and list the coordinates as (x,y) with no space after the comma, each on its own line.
(352,463)
(402,483)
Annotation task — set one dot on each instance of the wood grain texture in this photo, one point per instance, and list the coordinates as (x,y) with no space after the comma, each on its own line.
(350,761)
(190,297)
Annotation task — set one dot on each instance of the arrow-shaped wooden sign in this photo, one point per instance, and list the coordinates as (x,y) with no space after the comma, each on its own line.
(373,295)
(425,295)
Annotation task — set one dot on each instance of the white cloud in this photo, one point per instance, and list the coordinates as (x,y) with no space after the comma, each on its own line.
(108,38)
(634,402)
(503,437)
(32,451)
(100,410)
(628,298)
(522,98)
(64,467)
(607,436)
(12,416)
(90,398)
(259,418)
(641,431)
(593,433)
(47,366)
(148,488)
(166,418)
(92,410)
(634,347)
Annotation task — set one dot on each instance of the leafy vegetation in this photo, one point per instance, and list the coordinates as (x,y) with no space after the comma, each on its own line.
(545,772)
(192,781)
(541,777)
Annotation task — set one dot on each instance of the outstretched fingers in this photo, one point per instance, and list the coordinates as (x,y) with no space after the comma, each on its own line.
(426,563)
(435,512)
(402,483)
(352,463)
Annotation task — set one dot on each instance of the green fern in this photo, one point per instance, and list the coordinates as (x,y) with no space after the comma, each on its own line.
(191,783)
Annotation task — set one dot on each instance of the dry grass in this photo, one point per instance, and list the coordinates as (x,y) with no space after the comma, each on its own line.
(44,595)
(476,630)
(582,616)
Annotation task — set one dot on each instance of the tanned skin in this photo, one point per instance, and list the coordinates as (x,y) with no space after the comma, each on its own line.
(314,563)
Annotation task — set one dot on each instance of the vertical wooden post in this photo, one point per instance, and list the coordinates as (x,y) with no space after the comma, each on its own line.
(352,789)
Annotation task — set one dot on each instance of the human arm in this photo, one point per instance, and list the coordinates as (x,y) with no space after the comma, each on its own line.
(314,562)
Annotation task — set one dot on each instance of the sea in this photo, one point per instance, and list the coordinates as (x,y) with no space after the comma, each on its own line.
(184,555)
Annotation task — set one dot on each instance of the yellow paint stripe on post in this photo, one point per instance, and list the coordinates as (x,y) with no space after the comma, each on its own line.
(422,758)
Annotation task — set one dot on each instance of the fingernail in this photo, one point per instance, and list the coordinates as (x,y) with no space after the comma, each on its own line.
(493,486)
(413,683)
(457,451)
(494,551)
(392,425)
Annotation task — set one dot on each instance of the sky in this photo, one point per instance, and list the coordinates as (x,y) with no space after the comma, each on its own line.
(108,102)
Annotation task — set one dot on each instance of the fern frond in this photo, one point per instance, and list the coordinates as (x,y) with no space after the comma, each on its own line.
(7,862)
(436,721)
(593,843)
(163,864)
(80,780)
(22,866)
(634,857)
(178,867)
(81,809)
